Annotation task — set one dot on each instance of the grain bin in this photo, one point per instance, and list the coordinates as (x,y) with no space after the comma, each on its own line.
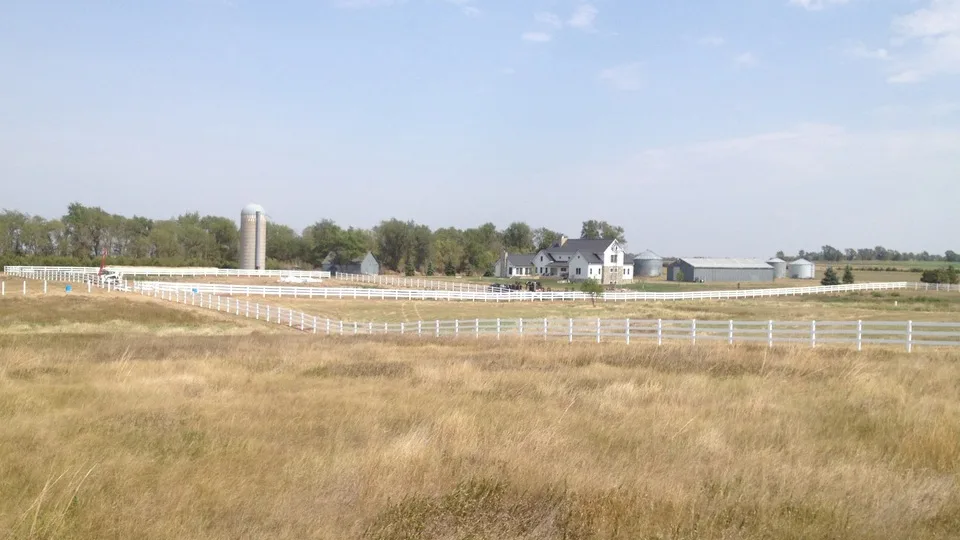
(253,238)
(647,264)
(779,267)
(801,269)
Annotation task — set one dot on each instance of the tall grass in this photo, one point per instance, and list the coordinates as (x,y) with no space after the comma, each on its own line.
(117,435)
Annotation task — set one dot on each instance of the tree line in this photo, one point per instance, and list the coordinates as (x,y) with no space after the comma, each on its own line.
(878,253)
(79,237)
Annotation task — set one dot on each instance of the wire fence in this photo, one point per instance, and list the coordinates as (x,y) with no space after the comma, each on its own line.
(52,272)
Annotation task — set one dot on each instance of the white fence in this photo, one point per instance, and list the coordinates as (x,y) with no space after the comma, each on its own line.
(503,296)
(49,272)
(411,283)
(906,334)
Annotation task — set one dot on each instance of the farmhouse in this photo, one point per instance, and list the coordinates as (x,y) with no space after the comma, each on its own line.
(579,260)
(366,264)
(514,265)
(726,270)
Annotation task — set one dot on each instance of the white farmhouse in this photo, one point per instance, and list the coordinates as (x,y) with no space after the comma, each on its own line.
(578,260)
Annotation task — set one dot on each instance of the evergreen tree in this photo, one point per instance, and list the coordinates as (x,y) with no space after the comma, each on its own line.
(848,275)
(830,277)
(430,270)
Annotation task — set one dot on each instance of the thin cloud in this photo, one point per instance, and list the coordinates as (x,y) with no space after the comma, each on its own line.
(550,19)
(928,40)
(625,77)
(583,17)
(536,37)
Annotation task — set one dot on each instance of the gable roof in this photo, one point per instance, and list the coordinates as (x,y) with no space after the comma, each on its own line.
(582,245)
(521,259)
(332,256)
(592,258)
(703,262)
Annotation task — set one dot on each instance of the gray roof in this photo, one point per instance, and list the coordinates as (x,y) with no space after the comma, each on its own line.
(776,260)
(521,259)
(701,262)
(801,262)
(558,264)
(648,256)
(591,258)
(583,246)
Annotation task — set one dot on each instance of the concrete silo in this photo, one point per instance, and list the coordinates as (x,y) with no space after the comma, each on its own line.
(779,267)
(647,264)
(801,269)
(253,238)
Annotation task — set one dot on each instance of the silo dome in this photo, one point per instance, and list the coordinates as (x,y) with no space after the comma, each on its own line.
(252,210)
(647,264)
(779,267)
(253,237)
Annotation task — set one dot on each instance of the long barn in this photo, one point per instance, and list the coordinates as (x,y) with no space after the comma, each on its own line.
(697,269)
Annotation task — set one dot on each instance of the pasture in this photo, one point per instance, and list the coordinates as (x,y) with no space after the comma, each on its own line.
(123,416)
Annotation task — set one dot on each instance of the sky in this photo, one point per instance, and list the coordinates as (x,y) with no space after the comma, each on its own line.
(713,128)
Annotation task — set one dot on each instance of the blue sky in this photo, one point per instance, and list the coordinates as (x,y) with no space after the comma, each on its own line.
(704,128)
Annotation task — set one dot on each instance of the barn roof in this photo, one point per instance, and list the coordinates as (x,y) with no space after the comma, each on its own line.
(703,262)
(520,259)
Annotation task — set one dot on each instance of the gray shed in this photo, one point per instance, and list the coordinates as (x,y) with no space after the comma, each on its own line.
(779,267)
(719,270)
(366,265)
(647,264)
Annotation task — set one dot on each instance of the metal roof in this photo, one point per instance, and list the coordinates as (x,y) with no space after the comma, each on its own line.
(648,256)
(583,246)
(776,260)
(702,262)
(801,262)
(252,209)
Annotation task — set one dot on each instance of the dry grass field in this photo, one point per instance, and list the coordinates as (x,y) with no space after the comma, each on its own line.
(122,417)
(898,305)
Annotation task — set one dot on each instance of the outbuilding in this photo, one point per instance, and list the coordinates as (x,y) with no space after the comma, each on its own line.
(366,265)
(802,269)
(702,270)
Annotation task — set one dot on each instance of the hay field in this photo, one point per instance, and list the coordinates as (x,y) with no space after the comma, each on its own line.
(168,429)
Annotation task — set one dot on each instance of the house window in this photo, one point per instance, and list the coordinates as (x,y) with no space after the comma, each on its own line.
(578,271)
(613,258)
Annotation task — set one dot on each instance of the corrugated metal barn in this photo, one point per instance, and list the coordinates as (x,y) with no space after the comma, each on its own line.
(726,270)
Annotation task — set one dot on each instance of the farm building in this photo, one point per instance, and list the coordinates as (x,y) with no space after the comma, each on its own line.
(582,259)
(802,269)
(779,267)
(647,264)
(726,270)
(514,265)
(366,265)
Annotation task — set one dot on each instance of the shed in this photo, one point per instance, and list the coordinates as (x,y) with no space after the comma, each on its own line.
(802,269)
(779,267)
(512,265)
(366,265)
(647,264)
(702,269)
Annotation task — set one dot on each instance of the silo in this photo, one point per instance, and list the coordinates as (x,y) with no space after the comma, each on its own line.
(647,264)
(253,238)
(779,267)
(801,269)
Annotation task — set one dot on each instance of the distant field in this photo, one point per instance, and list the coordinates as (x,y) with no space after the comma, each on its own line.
(900,306)
(130,418)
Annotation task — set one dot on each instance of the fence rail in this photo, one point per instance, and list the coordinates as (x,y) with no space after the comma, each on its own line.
(906,334)
(411,283)
(45,272)
(503,296)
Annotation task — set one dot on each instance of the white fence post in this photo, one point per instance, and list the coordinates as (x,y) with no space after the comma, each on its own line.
(24,287)
(545,331)
(659,332)
(456,328)
(813,334)
(570,330)
(859,335)
(438,327)
(730,336)
(301,321)
(909,336)
(693,330)
(419,328)
(477,323)
(520,326)
(498,328)
(3,288)
(770,334)
(628,331)
(598,329)
(401,328)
